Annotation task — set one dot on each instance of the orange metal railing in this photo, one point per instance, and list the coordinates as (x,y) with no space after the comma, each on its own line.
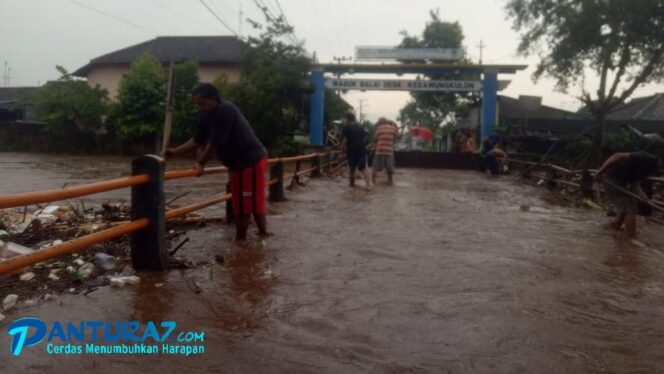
(30,198)
(38,197)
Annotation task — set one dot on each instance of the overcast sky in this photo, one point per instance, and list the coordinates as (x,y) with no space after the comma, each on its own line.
(35,35)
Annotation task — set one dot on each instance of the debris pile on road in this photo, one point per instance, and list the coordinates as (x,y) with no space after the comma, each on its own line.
(109,264)
(566,191)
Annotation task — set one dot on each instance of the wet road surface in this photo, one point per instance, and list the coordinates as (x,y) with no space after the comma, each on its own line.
(441,273)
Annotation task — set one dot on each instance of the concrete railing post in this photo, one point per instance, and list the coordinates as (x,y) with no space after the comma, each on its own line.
(551,176)
(277,189)
(328,162)
(296,177)
(315,163)
(148,248)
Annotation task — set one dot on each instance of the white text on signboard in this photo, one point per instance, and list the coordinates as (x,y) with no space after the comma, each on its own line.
(408,54)
(403,85)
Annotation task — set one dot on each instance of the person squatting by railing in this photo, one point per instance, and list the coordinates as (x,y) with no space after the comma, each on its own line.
(223,130)
(626,171)
(493,157)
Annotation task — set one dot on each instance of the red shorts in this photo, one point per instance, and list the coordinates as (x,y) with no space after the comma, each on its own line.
(248,189)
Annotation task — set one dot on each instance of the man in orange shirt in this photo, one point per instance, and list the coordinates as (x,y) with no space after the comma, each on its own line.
(385,134)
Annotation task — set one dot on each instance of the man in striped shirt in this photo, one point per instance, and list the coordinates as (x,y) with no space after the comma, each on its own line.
(385,134)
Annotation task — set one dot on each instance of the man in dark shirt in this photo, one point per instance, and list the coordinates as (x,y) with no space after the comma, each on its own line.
(223,130)
(626,171)
(354,141)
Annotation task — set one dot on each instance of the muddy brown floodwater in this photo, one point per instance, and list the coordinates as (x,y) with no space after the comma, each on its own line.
(441,273)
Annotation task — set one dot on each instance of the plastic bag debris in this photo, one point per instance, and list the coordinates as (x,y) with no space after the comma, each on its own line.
(78,262)
(10,250)
(85,270)
(50,209)
(27,276)
(121,281)
(104,261)
(9,301)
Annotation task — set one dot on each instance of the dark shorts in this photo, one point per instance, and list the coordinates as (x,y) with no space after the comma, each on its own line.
(490,162)
(357,160)
(248,189)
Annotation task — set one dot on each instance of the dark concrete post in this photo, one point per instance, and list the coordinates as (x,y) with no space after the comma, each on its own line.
(148,248)
(551,176)
(230,217)
(296,178)
(315,163)
(277,189)
(328,162)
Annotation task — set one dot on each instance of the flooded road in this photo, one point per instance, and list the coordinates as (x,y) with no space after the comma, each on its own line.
(441,273)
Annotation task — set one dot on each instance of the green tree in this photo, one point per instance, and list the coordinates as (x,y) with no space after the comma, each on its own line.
(185,114)
(335,107)
(431,108)
(73,112)
(619,41)
(140,109)
(273,87)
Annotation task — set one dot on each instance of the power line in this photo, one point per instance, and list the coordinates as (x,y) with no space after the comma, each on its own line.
(111,16)
(261,5)
(269,6)
(228,7)
(271,17)
(286,20)
(217,17)
(191,19)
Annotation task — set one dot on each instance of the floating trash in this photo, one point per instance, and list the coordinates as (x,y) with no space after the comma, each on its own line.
(9,302)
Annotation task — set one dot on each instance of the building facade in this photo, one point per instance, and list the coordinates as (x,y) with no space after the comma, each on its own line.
(214,54)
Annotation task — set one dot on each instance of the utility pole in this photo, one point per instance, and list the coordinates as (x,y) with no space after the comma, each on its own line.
(168,121)
(362,101)
(339,60)
(481,47)
(6,76)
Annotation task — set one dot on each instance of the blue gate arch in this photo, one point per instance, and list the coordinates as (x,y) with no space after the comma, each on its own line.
(490,88)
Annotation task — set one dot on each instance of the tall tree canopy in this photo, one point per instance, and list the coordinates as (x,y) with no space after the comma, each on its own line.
(618,41)
(273,84)
(431,108)
(73,112)
(185,112)
(141,109)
